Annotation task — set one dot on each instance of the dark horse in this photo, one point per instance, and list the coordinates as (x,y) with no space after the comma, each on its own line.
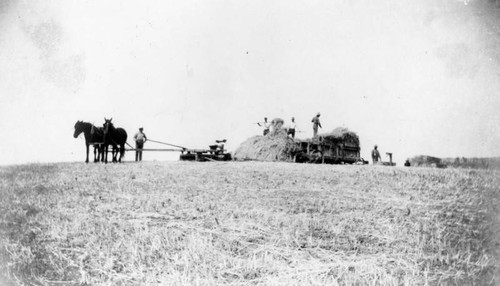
(92,135)
(115,137)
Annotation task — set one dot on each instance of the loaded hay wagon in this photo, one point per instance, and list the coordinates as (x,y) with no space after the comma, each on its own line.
(340,146)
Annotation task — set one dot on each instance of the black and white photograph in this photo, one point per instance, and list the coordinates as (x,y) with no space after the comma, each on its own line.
(250,142)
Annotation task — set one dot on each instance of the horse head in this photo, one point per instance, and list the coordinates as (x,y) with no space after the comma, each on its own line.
(107,128)
(78,128)
(107,125)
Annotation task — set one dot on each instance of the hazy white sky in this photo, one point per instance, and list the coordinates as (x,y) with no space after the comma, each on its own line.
(414,77)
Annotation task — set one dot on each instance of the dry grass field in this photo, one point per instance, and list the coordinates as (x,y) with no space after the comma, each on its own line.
(247,223)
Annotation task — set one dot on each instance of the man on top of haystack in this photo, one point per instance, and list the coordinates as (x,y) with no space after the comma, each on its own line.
(265,125)
(316,123)
(291,128)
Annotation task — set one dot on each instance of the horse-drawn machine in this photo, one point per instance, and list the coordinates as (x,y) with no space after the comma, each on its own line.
(102,137)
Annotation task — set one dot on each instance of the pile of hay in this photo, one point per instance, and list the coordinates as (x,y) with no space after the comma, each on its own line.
(277,126)
(341,134)
(272,147)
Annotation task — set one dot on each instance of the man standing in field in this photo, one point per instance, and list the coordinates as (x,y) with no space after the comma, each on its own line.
(266,126)
(140,138)
(291,128)
(316,123)
(376,155)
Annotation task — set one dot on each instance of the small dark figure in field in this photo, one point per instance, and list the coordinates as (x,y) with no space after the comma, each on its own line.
(117,137)
(93,135)
(407,163)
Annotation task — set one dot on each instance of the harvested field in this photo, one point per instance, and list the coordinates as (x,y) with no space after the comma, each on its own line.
(247,223)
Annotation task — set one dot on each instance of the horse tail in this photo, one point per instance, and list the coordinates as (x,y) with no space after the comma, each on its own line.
(122,151)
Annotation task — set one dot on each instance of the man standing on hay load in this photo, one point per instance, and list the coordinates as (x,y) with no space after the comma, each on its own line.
(140,139)
(376,155)
(316,123)
(291,128)
(266,126)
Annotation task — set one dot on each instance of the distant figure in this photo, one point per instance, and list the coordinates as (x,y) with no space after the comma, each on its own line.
(140,138)
(291,128)
(316,123)
(265,125)
(407,163)
(375,155)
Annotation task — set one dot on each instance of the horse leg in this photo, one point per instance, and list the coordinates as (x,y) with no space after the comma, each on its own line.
(95,154)
(115,151)
(100,156)
(87,159)
(102,153)
(105,154)
(122,152)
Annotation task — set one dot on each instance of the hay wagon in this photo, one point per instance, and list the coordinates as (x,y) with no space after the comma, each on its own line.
(332,148)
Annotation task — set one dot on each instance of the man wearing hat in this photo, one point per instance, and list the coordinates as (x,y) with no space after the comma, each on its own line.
(140,139)
(316,123)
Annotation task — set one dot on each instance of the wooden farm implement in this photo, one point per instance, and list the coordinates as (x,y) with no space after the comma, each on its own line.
(215,152)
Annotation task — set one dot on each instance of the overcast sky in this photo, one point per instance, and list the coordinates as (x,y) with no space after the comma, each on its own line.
(414,77)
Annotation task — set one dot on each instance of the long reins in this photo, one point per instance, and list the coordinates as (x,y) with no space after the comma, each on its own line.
(159,142)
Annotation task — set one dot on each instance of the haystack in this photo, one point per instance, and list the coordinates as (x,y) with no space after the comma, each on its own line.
(341,134)
(272,147)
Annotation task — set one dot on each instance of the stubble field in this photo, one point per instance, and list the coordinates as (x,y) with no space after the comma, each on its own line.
(247,223)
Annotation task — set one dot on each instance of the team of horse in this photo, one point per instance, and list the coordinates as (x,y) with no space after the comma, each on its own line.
(101,138)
